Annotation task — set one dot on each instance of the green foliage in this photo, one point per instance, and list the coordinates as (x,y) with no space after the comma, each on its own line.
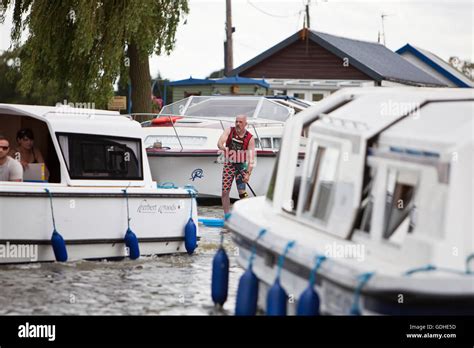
(10,76)
(80,45)
(216,74)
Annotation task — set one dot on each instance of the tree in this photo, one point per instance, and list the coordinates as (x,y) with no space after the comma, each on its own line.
(10,76)
(84,46)
(216,74)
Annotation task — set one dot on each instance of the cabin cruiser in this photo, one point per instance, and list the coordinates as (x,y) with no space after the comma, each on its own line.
(182,140)
(99,185)
(381,216)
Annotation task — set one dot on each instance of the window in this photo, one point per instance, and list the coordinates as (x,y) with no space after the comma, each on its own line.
(320,182)
(326,182)
(271,185)
(317,96)
(366,207)
(292,205)
(312,175)
(276,143)
(298,95)
(399,204)
(173,142)
(266,143)
(101,157)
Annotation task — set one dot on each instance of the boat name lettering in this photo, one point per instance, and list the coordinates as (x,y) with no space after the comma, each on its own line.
(146,208)
(168,208)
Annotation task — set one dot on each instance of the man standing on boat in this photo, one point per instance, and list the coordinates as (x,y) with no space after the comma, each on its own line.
(238,146)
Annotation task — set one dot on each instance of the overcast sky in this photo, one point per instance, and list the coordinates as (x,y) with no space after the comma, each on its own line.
(442,27)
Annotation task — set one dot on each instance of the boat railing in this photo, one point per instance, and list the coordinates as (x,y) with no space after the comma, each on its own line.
(214,119)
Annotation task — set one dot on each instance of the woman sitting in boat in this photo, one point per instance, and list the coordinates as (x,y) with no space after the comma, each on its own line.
(25,152)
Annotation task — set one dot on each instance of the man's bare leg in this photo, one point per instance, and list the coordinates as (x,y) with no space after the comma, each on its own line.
(226,201)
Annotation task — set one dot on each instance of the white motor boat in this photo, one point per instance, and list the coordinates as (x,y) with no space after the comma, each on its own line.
(382,214)
(187,133)
(99,181)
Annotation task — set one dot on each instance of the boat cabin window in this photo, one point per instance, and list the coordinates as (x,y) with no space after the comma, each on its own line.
(399,205)
(271,185)
(172,141)
(268,143)
(317,198)
(263,143)
(101,157)
(364,215)
(276,143)
(292,205)
(43,162)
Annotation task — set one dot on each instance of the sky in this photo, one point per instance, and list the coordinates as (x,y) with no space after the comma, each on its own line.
(444,27)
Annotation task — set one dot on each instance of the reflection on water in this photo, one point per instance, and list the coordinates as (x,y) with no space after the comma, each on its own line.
(158,285)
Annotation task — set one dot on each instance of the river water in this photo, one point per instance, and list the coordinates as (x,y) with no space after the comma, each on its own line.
(158,285)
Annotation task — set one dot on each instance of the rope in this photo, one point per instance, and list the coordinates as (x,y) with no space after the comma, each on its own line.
(192,194)
(318,263)
(51,203)
(166,185)
(443,269)
(363,279)
(221,244)
(254,246)
(128,210)
(281,259)
(190,187)
(420,269)
(468,261)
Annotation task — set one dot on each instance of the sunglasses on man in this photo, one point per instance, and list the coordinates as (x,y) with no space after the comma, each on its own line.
(4,148)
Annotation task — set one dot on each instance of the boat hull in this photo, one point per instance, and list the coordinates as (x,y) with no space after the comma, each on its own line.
(204,171)
(387,293)
(92,223)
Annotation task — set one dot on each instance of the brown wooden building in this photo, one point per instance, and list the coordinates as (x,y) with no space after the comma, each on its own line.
(311,65)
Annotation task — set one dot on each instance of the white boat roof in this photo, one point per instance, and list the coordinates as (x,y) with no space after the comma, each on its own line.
(228,107)
(373,109)
(437,128)
(76,120)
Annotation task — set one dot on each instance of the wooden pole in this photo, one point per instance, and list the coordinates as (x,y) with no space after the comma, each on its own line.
(228,56)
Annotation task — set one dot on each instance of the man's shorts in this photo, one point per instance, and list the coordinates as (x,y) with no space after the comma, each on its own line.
(229,172)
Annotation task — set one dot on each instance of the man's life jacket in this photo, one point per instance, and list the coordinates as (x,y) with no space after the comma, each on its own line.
(239,145)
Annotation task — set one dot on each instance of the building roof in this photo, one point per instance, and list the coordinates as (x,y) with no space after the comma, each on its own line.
(234,80)
(438,64)
(237,80)
(191,82)
(373,59)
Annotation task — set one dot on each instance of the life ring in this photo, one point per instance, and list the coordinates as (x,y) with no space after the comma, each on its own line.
(164,120)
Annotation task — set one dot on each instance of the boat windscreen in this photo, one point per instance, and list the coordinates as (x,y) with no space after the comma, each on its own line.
(252,107)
